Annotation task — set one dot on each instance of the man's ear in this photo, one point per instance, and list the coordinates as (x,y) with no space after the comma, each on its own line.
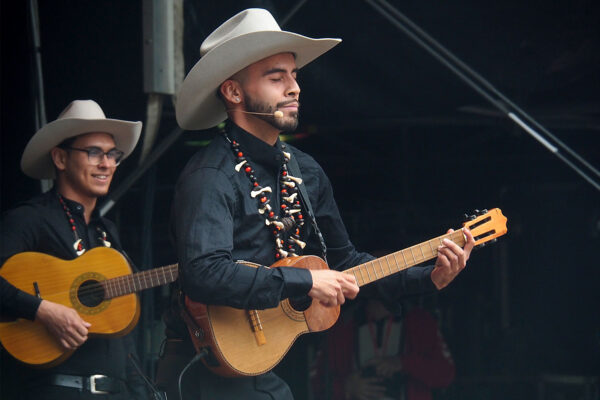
(59,158)
(231,91)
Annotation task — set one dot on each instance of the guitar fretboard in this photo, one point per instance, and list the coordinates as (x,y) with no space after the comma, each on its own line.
(127,284)
(403,259)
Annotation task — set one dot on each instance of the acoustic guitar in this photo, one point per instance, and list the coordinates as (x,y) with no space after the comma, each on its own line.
(236,342)
(99,285)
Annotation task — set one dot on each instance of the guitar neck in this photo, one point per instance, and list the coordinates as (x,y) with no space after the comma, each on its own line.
(132,283)
(395,262)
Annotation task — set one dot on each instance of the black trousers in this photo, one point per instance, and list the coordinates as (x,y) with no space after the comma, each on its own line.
(199,383)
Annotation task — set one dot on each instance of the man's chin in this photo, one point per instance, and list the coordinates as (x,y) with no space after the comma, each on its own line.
(288,124)
(100,191)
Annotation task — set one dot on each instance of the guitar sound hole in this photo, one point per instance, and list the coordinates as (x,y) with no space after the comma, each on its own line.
(300,303)
(90,293)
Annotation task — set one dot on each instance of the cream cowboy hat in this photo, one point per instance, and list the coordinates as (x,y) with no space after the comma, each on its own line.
(80,117)
(245,38)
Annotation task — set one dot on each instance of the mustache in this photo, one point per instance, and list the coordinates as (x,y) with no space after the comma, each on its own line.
(285,103)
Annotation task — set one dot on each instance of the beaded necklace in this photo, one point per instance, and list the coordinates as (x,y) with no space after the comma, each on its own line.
(290,218)
(77,245)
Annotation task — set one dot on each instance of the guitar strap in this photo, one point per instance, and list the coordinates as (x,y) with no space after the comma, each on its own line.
(294,169)
(195,331)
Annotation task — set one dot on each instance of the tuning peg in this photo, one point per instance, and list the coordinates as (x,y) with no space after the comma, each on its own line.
(468,217)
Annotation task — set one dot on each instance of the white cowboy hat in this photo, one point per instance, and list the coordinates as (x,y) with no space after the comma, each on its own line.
(244,39)
(80,117)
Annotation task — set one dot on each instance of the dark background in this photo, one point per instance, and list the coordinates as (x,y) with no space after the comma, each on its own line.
(408,147)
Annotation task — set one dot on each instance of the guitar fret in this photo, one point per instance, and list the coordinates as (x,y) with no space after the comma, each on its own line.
(171,272)
(158,276)
(413,254)
(405,262)
(388,264)
(105,285)
(374,270)
(381,267)
(396,261)
(121,286)
(421,248)
(369,275)
(431,247)
(360,269)
(113,290)
(355,278)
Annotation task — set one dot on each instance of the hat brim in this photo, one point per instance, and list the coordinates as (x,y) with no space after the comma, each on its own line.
(198,107)
(37,162)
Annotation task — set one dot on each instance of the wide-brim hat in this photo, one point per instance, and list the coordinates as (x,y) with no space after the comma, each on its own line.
(244,39)
(80,117)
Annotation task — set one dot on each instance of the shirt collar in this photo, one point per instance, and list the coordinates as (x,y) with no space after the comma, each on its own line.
(257,150)
(78,208)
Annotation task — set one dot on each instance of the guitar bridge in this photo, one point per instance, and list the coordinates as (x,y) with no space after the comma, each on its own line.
(257,327)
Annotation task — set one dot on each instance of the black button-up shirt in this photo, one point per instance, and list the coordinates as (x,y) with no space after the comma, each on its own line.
(215,222)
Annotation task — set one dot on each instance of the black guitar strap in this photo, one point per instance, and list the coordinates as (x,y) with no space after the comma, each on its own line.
(294,169)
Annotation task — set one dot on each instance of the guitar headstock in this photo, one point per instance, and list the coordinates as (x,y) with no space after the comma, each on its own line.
(486,225)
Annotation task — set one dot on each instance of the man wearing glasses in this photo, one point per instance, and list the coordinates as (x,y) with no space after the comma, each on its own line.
(80,151)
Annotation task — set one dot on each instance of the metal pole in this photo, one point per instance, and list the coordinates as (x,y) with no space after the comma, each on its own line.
(484,88)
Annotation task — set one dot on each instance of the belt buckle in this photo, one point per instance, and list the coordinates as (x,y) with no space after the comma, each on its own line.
(93,384)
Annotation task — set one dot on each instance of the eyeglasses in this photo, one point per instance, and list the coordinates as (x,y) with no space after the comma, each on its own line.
(96,155)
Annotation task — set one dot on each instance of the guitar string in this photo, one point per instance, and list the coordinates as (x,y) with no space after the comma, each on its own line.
(99,286)
(121,282)
(455,236)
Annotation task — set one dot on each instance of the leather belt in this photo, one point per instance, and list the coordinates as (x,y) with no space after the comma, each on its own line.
(95,384)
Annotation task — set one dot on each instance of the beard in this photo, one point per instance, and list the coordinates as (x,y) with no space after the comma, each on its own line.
(286,124)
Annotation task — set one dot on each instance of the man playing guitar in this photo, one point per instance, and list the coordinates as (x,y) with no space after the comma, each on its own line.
(81,151)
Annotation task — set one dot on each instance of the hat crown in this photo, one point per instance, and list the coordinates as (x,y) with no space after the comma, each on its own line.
(82,109)
(247,21)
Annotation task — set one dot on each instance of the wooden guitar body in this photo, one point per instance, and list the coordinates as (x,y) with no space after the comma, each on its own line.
(99,285)
(236,348)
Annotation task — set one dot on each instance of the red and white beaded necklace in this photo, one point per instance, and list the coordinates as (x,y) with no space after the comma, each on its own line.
(291,218)
(77,245)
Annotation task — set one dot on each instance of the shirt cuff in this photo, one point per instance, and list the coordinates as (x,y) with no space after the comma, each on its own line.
(428,285)
(297,282)
(28,305)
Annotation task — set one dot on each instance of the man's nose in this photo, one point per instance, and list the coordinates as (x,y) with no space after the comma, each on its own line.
(293,89)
